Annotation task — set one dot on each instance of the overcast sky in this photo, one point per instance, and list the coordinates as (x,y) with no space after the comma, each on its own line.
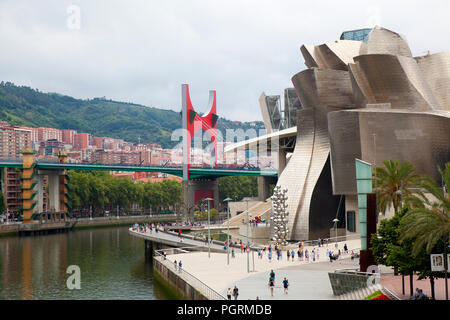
(142,51)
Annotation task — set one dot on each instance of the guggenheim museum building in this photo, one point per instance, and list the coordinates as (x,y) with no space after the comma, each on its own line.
(364,96)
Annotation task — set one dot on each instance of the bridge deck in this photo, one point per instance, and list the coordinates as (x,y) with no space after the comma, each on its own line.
(177,171)
(173,240)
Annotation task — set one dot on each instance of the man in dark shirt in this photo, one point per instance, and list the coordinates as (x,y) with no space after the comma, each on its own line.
(235,293)
(285,285)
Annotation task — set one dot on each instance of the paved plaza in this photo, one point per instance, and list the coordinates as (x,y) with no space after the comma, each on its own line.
(308,280)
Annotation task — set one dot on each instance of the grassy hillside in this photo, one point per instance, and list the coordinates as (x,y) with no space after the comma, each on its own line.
(25,106)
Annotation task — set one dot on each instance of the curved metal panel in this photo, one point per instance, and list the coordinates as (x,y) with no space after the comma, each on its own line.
(335,55)
(384,41)
(418,137)
(384,78)
(436,71)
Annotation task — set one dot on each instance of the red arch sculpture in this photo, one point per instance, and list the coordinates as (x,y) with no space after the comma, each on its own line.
(192,122)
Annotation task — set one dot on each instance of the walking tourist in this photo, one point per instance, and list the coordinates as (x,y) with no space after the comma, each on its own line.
(272,275)
(288,254)
(313,255)
(319,241)
(229,294)
(285,285)
(298,254)
(232,252)
(175,264)
(235,292)
(179,266)
(271,285)
(345,248)
(269,255)
(317,254)
(292,255)
(307,255)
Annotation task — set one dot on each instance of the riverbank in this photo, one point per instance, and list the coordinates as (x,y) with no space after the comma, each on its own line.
(111,263)
(99,222)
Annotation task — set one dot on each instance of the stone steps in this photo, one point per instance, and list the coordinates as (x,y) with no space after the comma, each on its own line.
(360,294)
(260,209)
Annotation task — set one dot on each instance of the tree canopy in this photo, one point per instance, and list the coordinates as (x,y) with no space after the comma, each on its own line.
(101,191)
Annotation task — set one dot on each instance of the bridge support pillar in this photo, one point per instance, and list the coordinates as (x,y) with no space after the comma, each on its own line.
(264,187)
(40,187)
(148,250)
(197,189)
(281,160)
(57,191)
(53,192)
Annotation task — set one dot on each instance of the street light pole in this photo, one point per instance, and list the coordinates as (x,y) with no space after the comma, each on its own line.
(227,200)
(248,242)
(335,231)
(209,229)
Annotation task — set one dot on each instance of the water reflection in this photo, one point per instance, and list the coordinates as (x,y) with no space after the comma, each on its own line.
(112,265)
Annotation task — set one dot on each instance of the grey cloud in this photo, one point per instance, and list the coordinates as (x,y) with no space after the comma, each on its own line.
(142,51)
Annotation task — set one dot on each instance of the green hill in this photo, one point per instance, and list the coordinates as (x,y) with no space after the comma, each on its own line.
(21,105)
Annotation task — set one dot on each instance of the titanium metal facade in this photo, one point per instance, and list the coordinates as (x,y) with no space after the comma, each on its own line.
(360,99)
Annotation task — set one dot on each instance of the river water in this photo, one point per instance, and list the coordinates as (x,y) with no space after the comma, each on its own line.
(111,262)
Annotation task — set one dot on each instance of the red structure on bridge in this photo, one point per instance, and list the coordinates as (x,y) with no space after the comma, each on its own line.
(192,122)
(194,191)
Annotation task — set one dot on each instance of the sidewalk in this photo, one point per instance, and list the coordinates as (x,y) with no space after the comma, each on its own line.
(306,282)
(394,284)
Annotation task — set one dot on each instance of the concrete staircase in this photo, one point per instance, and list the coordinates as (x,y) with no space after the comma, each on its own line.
(262,209)
(360,294)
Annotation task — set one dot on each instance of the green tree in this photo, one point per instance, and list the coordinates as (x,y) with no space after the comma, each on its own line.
(2,203)
(429,220)
(394,182)
(388,250)
(237,187)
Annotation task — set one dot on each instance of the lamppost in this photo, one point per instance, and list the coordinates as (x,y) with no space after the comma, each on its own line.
(209,231)
(247,199)
(227,200)
(335,220)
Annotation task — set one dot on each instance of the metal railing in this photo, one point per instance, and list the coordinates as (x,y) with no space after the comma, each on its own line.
(196,283)
(390,294)
(331,240)
(172,166)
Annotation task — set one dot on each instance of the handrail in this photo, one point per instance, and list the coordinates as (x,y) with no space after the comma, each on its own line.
(390,294)
(45,161)
(332,239)
(202,287)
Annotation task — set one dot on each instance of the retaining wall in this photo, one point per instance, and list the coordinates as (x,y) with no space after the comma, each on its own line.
(184,288)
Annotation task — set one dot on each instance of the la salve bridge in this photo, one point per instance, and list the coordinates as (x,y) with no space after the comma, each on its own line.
(194,172)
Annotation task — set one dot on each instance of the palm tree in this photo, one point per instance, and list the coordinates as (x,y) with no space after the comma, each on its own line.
(394,183)
(429,220)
